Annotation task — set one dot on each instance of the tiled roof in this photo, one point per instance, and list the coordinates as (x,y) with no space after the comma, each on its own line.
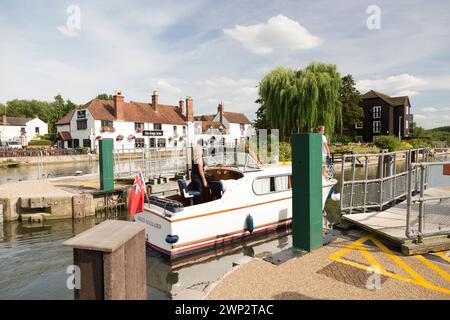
(66,136)
(236,117)
(17,121)
(66,119)
(135,112)
(393,101)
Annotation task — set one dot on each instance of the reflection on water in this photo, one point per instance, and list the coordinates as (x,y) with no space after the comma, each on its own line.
(33,261)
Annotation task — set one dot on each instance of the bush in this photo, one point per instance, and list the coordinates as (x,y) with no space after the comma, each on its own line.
(420,143)
(285,151)
(339,138)
(388,142)
(39,143)
(405,145)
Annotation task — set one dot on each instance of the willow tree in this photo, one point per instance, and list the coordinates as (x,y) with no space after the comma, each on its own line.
(300,100)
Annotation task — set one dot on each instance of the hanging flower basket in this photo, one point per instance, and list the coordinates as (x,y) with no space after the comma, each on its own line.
(139,130)
(112,129)
(102,129)
(131,137)
(119,137)
(181,138)
(170,139)
(98,138)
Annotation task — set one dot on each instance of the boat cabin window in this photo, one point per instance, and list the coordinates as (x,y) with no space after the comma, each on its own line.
(265,185)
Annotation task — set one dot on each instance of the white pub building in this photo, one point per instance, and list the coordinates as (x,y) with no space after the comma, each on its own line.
(150,125)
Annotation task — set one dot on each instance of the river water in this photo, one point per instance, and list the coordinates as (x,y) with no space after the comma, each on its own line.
(33,262)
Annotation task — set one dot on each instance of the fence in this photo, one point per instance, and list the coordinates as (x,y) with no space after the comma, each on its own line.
(365,187)
(35,152)
(426,214)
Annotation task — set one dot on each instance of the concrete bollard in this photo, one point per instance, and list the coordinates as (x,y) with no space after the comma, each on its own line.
(111,258)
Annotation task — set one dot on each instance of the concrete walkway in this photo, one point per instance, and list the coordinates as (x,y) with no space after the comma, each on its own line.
(356,266)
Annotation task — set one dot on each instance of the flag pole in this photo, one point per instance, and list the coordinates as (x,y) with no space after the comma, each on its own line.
(145,187)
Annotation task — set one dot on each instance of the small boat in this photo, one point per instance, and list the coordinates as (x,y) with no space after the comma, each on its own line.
(244,201)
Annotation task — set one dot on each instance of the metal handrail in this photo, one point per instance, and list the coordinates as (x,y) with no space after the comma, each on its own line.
(392,176)
(421,200)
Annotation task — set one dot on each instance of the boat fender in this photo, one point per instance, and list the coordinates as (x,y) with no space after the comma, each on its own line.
(250,225)
(336,196)
(171,239)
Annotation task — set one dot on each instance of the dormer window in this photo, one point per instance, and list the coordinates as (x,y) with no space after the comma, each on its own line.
(81,114)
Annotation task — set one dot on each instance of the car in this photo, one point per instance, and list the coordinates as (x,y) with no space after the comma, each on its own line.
(10,145)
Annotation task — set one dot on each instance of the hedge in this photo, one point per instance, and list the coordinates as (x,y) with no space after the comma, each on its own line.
(40,143)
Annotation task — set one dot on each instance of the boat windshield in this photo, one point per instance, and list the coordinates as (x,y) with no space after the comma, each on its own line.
(242,161)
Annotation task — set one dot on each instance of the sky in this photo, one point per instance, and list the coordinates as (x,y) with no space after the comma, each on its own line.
(218,51)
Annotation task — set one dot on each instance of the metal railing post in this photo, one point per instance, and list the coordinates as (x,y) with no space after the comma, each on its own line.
(353,184)
(421,202)
(342,180)
(366,174)
(381,182)
(408,194)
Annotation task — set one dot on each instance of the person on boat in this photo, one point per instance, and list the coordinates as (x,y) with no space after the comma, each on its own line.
(325,150)
(198,174)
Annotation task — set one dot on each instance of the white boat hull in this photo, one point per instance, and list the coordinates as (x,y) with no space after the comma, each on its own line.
(220,221)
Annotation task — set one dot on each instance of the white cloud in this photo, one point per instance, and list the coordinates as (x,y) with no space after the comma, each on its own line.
(405,84)
(430,109)
(167,87)
(278,32)
(409,93)
(419,117)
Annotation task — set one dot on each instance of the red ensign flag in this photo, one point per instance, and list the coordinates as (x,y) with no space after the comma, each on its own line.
(136,198)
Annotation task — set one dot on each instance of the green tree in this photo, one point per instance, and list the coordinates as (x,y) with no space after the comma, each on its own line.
(300,100)
(105,96)
(350,98)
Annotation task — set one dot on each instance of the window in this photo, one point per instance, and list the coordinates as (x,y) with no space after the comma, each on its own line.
(81,114)
(152,143)
(184,130)
(139,143)
(76,143)
(358,125)
(36,130)
(376,112)
(376,126)
(175,143)
(138,126)
(161,142)
(272,184)
(174,130)
(242,126)
(81,124)
(359,138)
(407,125)
(22,131)
(70,144)
(157,126)
(86,143)
(107,123)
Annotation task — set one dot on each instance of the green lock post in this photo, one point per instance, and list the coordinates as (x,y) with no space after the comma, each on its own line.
(106,164)
(307,191)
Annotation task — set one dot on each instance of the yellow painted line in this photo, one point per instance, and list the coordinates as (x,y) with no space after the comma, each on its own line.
(434,267)
(370,258)
(399,261)
(348,248)
(443,256)
(358,245)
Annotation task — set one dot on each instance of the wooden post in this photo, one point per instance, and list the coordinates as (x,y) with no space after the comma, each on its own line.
(112,261)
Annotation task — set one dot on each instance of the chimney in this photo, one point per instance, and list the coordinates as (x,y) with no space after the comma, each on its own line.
(155,101)
(181,104)
(189,109)
(119,105)
(220,111)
